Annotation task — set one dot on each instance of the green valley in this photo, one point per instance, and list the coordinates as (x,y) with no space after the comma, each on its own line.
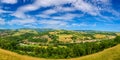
(57,44)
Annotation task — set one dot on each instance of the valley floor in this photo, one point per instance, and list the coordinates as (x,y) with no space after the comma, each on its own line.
(108,54)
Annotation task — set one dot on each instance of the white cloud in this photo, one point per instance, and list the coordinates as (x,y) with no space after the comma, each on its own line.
(93,9)
(9,1)
(105,1)
(50,11)
(65,17)
(80,24)
(43,16)
(19,14)
(29,7)
(30,26)
(52,22)
(46,3)
(83,24)
(2,21)
(3,11)
(115,13)
(35,6)
(86,7)
(64,9)
(77,5)
(68,16)
(22,22)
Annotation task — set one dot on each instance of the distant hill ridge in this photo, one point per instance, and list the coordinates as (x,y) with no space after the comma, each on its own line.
(50,29)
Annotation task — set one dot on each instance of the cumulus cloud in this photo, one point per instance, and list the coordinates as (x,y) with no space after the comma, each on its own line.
(9,1)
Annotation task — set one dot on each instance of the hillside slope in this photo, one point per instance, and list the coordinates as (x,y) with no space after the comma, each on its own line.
(7,55)
(108,54)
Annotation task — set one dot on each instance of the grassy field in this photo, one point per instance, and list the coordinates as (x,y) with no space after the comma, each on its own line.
(108,54)
(7,55)
(99,36)
(65,38)
(20,32)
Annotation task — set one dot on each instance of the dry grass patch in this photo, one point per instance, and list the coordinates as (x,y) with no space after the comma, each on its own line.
(20,32)
(65,38)
(99,36)
(7,55)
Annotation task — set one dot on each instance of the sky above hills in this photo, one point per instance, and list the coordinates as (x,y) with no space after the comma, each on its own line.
(61,14)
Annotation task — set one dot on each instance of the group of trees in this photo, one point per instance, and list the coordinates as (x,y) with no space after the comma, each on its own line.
(117,39)
(72,50)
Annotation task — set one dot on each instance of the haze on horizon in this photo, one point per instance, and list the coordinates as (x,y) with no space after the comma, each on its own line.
(60,14)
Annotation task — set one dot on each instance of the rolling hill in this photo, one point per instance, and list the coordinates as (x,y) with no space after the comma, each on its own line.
(108,54)
(112,53)
(7,55)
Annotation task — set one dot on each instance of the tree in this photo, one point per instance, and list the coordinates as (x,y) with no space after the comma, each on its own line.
(117,39)
(74,38)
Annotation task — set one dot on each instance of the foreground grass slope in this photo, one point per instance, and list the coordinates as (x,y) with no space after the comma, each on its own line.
(7,55)
(108,54)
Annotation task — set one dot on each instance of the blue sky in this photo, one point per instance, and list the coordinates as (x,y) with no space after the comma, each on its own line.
(61,14)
